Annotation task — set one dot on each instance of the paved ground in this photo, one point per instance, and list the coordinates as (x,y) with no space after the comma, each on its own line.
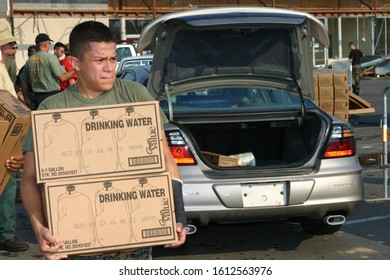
(369,137)
(369,142)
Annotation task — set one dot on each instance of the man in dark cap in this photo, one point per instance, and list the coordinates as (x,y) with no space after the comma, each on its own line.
(43,72)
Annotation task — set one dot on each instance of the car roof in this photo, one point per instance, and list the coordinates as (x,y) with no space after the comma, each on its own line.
(141,73)
(137,68)
(127,59)
(140,57)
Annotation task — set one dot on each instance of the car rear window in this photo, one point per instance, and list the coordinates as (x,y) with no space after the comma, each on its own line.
(228,99)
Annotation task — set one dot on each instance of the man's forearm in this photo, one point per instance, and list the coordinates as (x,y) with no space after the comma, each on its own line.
(31,195)
(66,76)
(24,88)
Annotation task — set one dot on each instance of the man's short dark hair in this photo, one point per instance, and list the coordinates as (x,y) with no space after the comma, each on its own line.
(32,47)
(59,45)
(85,33)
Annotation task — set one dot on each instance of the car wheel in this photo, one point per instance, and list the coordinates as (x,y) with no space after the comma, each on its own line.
(319,227)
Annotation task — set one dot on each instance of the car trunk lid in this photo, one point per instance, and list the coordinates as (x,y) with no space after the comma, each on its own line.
(247,41)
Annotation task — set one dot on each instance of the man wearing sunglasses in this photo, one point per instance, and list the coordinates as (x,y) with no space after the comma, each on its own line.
(8,240)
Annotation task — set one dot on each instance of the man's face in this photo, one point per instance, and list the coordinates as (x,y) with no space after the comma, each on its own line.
(10,48)
(97,69)
(31,52)
(59,52)
(14,48)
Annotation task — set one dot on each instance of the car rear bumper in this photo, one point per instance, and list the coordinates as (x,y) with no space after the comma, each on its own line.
(312,196)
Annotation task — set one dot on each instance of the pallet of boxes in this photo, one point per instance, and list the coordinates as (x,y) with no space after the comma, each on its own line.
(103,172)
(332,92)
(14,124)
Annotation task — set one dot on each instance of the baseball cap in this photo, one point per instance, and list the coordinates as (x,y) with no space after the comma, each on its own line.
(42,37)
(5,33)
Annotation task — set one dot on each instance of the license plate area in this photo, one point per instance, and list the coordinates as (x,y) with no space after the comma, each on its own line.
(264,194)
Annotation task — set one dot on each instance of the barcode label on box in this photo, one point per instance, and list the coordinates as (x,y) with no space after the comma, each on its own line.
(136,161)
(156,232)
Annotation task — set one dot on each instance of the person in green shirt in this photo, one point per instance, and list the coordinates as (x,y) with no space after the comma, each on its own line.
(43,72)
(93,51)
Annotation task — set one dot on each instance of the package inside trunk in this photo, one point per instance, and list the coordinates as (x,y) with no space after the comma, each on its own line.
(269,142)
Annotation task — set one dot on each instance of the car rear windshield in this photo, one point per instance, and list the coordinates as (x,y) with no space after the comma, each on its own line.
(233,99)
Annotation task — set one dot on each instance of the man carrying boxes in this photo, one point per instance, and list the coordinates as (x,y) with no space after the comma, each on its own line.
(9,162)
(92,47)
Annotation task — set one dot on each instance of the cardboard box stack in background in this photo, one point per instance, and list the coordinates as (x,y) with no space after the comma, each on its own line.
(14,124)
(105,182)
(332,92)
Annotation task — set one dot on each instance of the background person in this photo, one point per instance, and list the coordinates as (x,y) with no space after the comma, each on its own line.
(59,50)
(43,71)
(8,239)
(7,44)
(31,50)
(354,57)
(68,67)
(93,56)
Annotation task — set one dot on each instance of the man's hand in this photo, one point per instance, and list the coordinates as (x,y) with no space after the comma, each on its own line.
(15,163)
(49,246)
(181,234)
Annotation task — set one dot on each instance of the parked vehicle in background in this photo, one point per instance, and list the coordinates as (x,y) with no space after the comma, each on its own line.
(134,61)
(139,74)
(124,50)
(237,86)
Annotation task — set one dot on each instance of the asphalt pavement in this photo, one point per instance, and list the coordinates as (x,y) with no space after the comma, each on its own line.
(369,148)
(369,137)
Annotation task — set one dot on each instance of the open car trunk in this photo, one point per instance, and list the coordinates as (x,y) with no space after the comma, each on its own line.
(269,142)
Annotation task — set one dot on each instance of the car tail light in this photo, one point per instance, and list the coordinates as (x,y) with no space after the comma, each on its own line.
(179,149)
(341,143)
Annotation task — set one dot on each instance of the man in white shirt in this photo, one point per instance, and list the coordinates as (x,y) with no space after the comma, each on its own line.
(7,45)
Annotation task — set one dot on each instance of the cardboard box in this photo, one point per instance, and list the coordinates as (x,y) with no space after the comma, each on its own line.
(341,104)
(98,141)
(119,213)
(343,115)
(315,79)
(327,104)
(326,92)
(316,95)
(3,129)
(341,92)
(220,160)
(340,79)
(18,117)
(325,79)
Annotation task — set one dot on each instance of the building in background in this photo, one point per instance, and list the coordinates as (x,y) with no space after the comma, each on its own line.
(365,22)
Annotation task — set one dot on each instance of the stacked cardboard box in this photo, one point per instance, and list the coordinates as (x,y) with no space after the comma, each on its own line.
(332,92)
(14,124)
(105,183)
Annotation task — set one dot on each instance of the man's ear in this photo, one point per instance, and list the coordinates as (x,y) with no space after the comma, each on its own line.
(75,62)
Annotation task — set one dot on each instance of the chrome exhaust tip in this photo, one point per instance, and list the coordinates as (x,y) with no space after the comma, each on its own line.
(191,229)
(334,220)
